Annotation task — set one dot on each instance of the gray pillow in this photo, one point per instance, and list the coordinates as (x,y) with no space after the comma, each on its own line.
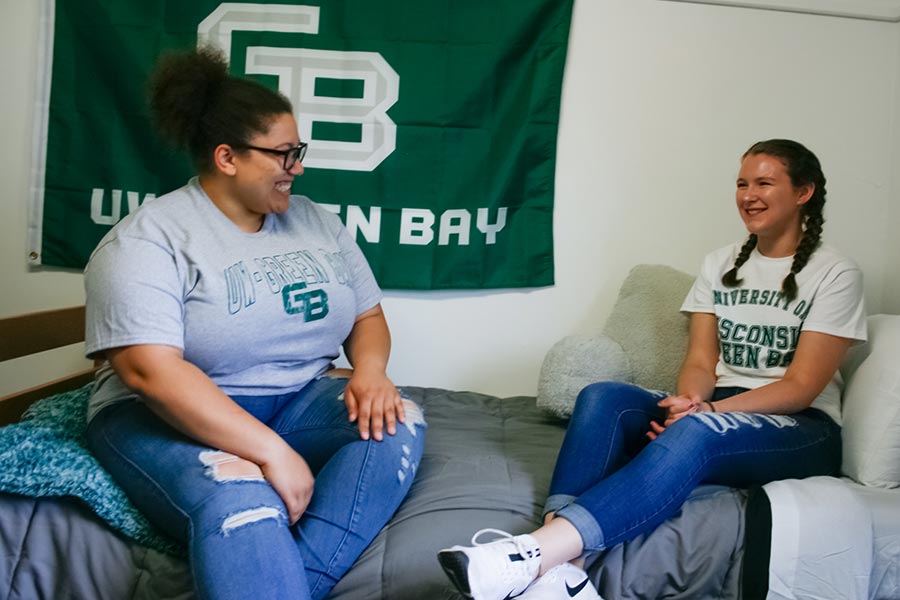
(643,342)
(574,362)
(646,321)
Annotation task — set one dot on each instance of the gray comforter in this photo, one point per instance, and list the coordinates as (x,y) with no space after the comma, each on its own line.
(487,463)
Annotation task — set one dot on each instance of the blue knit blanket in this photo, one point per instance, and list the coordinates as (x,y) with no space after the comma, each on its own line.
(45,455)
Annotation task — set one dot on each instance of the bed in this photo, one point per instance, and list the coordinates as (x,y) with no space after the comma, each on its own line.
(487,463)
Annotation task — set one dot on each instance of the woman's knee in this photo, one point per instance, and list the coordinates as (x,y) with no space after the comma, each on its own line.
(238,502)
(606,396)
(403,450)
(693,436)
(410,434)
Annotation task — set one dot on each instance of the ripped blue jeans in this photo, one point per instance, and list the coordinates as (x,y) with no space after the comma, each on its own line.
(239,542)
(613,484)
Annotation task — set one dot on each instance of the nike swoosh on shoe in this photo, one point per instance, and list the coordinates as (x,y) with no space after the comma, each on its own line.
(573,591)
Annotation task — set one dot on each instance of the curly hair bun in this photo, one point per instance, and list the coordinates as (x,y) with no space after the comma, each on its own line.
(183,87)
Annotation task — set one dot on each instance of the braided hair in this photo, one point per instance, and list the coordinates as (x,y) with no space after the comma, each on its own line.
(804,169)
(199,105)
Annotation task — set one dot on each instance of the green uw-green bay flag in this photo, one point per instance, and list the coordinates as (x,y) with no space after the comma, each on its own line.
(431,125)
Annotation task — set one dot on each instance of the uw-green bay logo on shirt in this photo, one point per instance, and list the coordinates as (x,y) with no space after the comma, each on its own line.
(313,305)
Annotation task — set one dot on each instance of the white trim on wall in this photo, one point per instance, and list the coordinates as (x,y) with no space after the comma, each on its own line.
(875,10)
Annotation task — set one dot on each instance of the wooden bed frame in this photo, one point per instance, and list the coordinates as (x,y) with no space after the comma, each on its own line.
(31,333)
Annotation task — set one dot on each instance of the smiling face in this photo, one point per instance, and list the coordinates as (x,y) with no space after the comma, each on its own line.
(248,184)
(262,185)
(769,204)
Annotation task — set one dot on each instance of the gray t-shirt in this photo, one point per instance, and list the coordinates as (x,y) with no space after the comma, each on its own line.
(260,313)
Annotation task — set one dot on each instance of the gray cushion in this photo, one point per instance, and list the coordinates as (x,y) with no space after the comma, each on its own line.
(647,323)
(643,341)
(574,362)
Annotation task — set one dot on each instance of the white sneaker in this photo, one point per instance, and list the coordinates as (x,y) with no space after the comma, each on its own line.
(562,582)
(497,570)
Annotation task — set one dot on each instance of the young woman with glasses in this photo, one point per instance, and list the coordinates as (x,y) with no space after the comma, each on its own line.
(758,395)
(220,308)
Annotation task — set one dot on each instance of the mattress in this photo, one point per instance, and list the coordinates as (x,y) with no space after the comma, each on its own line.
(487,463)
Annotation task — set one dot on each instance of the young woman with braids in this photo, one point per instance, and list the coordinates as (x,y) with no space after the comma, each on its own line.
(220,307)
(758,394)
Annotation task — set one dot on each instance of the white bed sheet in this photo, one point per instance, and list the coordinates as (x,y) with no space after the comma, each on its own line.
(884,506)
(833,538)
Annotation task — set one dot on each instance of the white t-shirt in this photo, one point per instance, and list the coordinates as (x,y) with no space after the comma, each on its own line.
(759,329)
(260,313)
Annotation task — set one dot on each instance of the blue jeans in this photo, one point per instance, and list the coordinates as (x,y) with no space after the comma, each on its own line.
(612,483)
(239,542)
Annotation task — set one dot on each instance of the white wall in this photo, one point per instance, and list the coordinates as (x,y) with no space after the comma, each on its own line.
(891,300)
(23,291)
(659,101)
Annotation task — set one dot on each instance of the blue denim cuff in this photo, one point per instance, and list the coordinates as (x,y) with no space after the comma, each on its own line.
(586,525)
(556,502)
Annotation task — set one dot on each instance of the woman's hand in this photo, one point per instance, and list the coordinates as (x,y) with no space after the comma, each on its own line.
(373,401)
(655,430)
(188,400)
(679,406)
(676,408)
(371,398)
(291,478)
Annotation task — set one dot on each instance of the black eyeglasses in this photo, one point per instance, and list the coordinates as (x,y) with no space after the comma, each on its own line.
(291,156)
